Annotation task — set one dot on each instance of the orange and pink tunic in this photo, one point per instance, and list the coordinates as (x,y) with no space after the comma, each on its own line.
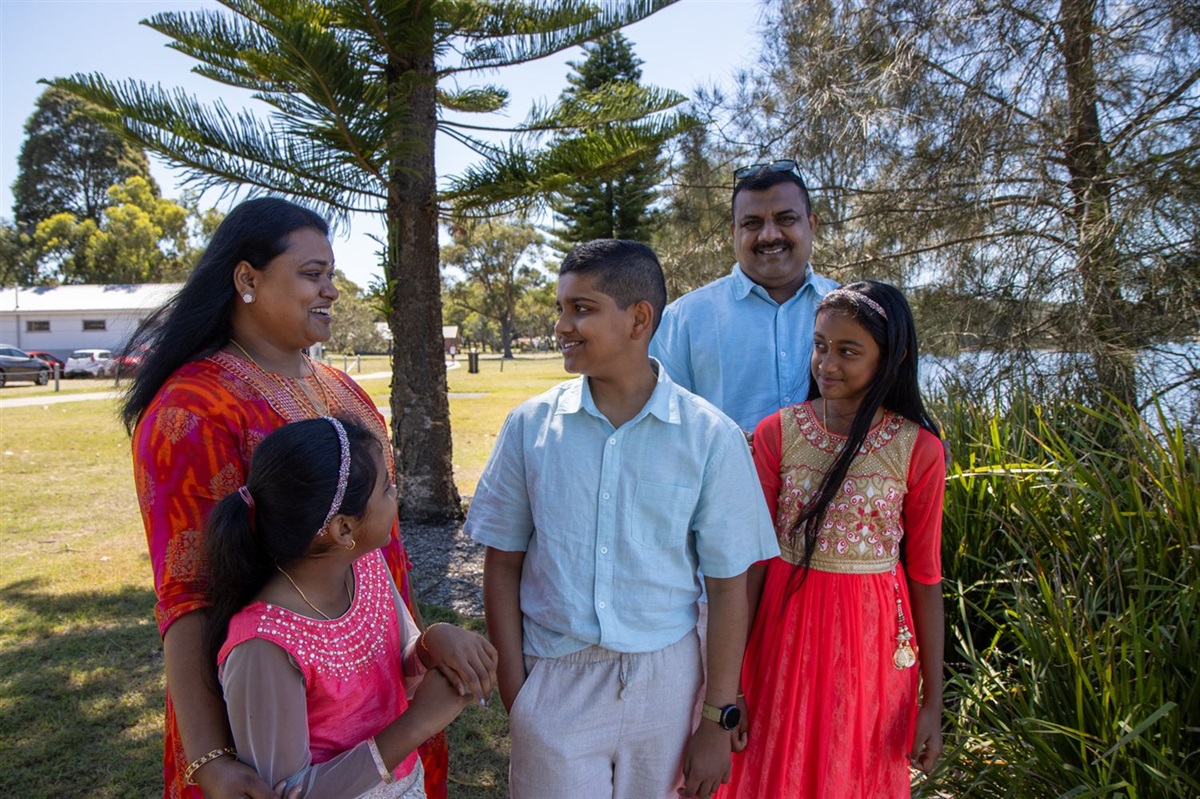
(191,448)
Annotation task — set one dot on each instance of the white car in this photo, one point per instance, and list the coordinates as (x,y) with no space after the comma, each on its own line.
(90,363)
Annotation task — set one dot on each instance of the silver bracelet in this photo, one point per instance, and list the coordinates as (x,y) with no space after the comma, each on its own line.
(384,772)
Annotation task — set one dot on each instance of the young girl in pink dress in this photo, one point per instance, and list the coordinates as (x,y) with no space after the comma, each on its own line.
(313,640)
(848,630)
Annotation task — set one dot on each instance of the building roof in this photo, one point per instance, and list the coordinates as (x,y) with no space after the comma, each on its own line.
(93,297)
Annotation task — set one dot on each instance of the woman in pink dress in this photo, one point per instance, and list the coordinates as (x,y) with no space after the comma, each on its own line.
(848,630)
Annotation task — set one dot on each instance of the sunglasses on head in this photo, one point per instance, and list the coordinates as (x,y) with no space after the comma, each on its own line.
(779,165)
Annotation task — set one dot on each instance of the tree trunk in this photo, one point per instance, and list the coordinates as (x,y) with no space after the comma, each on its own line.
(506,336)
(420,407)
(1087,159)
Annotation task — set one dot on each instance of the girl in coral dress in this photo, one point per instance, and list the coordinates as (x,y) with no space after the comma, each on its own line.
(842,679)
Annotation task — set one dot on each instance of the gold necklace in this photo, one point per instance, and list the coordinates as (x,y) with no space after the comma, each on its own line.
(302,397)
(305,598)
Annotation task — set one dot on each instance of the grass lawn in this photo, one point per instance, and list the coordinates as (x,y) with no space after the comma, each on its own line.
(81,687)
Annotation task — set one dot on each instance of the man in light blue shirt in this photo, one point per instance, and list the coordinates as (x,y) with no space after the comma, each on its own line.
(743,342)
(601,499)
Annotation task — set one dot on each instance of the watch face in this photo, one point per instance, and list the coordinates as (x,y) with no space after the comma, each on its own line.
(730,716)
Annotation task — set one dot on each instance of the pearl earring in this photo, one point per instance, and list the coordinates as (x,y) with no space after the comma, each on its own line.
(247,298)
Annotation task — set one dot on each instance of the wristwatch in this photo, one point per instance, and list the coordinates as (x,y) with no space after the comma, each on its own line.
(728,716)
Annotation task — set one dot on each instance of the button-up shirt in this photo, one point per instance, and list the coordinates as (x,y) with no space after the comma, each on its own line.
(615,522)
(732,344)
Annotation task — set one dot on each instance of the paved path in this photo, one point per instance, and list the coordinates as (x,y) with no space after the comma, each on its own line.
(84,396)
(54,399)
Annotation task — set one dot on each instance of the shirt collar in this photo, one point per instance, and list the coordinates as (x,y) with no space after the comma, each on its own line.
(663,403)
(743,286)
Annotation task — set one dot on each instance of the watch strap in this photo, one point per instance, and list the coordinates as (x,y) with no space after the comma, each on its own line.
(710,712)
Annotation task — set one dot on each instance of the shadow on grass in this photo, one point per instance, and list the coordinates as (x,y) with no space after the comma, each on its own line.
(81,694)
(479,737)
(81,700)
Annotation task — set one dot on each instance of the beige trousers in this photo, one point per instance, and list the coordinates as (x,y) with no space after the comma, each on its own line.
(598,724)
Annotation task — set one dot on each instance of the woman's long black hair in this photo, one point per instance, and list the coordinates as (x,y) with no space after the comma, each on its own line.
(196,321)
(292,480)
(894,387)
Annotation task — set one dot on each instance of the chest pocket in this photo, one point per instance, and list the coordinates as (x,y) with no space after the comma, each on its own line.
(661,514)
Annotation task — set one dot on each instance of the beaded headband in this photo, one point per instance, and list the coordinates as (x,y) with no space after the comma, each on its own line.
(343,474)
(858,296)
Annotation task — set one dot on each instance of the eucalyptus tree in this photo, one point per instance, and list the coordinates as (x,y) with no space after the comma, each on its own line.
(356,92)
(1044,156)
(498,261)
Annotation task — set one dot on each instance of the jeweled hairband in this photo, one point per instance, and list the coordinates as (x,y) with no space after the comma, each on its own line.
(858,296)
(343,474)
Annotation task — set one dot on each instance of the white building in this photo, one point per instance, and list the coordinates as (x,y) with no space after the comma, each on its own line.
(59,319)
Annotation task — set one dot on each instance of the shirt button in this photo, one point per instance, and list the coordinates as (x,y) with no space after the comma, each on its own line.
(606,495)
(602,606)
(783,354)
(612,441)
(603,550)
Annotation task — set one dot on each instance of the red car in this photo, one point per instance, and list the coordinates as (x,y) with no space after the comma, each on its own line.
(129,362)
(50,358)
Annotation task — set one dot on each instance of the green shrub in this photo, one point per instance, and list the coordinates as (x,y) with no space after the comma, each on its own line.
(1072,558)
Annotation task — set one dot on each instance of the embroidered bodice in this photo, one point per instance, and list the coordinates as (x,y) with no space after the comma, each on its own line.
(352,666)
(862,527)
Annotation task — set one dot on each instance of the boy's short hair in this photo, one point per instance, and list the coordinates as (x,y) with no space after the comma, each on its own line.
(627,271)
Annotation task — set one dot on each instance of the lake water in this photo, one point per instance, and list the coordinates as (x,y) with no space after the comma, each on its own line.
(985,376)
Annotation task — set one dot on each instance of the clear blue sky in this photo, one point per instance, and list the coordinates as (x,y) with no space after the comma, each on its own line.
(691,43)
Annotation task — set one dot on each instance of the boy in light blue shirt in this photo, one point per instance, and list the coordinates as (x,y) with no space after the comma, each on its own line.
(601,499)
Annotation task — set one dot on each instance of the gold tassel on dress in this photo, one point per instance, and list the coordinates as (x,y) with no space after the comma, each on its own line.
(905,657)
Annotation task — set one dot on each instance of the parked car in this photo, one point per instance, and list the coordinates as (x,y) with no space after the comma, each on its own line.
(18,364)
(127,363)
(90,363)
(52,359)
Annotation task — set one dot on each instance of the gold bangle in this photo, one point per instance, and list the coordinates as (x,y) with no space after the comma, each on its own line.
(421,637)
(208,758)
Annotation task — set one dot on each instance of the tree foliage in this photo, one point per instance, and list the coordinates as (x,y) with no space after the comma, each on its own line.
(615,204)
(694,241)
(1045,158)
(498,263)
(355,321)
(17,267)
(68,161)
(355,94)
(140,238)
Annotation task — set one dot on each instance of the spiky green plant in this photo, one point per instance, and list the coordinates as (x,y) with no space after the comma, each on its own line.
(1073,569)
(357,91)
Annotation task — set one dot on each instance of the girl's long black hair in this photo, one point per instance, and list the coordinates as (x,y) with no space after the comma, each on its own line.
(196,321)
(292,480)
(894,387)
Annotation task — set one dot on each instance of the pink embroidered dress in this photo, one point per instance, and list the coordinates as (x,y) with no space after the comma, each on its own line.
(831,714)
(305,695)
